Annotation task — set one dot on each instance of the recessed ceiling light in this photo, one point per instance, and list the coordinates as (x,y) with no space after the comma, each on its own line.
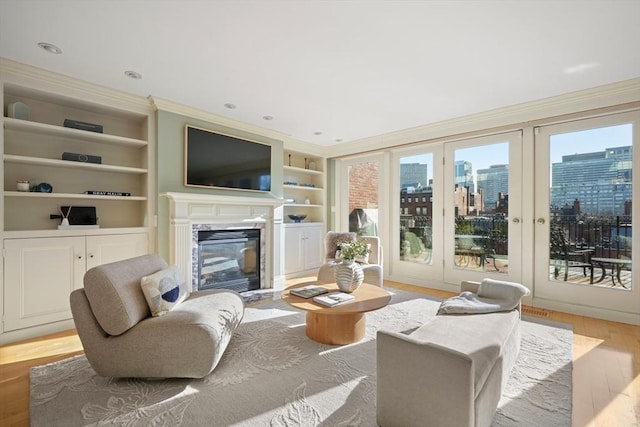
(133,74)
(230,106)
(317,133)
(267,117)
(51,48)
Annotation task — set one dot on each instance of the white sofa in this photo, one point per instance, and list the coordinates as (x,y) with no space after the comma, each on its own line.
(449,372)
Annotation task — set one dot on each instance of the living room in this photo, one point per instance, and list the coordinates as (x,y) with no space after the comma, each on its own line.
(151,165)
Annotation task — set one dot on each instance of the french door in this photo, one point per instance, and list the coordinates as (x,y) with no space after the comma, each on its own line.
(458,208)
(584,215)
(416,202)
(482,208)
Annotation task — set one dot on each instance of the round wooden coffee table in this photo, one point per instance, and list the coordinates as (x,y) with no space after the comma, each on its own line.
(344,323)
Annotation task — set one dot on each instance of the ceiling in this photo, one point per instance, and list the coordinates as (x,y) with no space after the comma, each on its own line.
(331,72)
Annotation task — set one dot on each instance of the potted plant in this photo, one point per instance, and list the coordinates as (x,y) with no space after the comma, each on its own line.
(349,274)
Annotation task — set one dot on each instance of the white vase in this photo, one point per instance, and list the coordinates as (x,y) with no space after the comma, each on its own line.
(349,276)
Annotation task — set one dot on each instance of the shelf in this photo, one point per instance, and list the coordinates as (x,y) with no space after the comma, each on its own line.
(301,187)
(60,131)
(32,194)
(22,234)
(10,158)
(302,170)
(298,205)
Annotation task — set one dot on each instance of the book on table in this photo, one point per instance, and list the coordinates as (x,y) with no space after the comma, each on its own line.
(334,298)
(309,291)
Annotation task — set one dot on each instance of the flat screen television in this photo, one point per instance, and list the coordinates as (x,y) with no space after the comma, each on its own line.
(217,160)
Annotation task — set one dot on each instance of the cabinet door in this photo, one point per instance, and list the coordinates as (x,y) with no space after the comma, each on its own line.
(313,246)
(293,253)
(112,248)
(39,275)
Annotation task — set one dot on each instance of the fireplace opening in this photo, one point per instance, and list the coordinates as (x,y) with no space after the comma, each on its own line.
(229,259)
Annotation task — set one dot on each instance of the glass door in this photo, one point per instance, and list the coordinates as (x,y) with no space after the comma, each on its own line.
(584,212)
(482,208)
(416,205)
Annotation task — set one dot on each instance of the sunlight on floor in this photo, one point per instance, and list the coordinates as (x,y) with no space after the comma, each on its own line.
(20,352)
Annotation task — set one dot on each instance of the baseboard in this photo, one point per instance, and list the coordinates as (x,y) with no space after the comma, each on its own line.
(583,310)
(35,331)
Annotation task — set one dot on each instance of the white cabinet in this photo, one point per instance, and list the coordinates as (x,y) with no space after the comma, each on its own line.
(303,248)
(112,170)
(116,247)
(39,274)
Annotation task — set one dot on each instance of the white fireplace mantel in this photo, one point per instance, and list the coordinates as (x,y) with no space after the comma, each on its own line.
(189,209)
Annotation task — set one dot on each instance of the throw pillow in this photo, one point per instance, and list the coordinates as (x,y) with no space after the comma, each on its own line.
(164,290)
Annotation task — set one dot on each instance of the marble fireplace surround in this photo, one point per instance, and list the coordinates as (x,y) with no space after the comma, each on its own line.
(190,212)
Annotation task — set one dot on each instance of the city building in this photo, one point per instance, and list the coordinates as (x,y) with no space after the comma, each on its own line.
(464,174)
(413,175)
(492,182)
(600,181)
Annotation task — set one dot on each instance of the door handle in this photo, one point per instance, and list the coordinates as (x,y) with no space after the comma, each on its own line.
(541,221)
(516,220)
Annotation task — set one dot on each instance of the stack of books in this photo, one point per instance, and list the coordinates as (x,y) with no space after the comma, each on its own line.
(309,291)
(333,298)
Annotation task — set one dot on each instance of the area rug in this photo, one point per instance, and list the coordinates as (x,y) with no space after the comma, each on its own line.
(273,375)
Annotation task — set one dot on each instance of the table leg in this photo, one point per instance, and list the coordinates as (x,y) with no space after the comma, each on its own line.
(335,329)
(602,276)
(618,269)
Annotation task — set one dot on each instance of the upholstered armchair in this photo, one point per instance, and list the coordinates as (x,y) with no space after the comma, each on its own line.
(121,338)
(372,271)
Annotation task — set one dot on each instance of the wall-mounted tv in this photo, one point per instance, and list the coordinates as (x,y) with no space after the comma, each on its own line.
(214,159)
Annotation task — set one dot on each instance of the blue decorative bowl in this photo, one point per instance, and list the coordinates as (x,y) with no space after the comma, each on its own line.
(297,218)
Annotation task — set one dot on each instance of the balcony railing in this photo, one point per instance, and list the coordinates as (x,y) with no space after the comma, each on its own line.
(607,237)
(604,237)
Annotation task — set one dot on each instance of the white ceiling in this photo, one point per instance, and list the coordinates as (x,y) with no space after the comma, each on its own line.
(348,69)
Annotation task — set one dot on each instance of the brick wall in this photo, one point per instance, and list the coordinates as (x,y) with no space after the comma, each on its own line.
(363,186)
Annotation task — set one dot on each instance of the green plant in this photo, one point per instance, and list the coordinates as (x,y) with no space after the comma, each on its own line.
(354,249)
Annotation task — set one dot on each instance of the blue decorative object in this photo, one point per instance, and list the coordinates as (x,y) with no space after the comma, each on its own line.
(43,187)
(297,218)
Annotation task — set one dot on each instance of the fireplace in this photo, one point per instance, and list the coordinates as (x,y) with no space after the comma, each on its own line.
(190,214)
(229,259)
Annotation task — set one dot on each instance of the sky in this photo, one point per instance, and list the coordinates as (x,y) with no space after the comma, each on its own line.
(586,141)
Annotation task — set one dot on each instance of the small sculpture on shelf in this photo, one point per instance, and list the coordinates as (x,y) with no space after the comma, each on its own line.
(297,217)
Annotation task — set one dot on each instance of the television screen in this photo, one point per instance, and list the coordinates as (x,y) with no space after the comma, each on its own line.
(217,160)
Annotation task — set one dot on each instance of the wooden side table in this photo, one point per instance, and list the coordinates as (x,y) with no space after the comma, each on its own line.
(344,323)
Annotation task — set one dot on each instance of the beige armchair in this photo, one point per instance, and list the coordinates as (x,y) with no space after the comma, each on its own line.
(373,273)
(122,339)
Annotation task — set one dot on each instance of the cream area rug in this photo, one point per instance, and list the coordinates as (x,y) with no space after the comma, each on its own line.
(273,375)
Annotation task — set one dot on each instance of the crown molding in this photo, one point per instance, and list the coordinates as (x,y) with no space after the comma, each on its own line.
(65,86)
(600,97)
(197,113)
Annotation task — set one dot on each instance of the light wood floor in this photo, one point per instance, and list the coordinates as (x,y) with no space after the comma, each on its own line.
(606,371)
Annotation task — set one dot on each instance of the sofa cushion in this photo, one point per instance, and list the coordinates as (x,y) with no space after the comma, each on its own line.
(164,289)
(482,337)
(114,292)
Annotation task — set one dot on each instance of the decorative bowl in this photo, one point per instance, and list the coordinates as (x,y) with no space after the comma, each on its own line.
(297,217)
